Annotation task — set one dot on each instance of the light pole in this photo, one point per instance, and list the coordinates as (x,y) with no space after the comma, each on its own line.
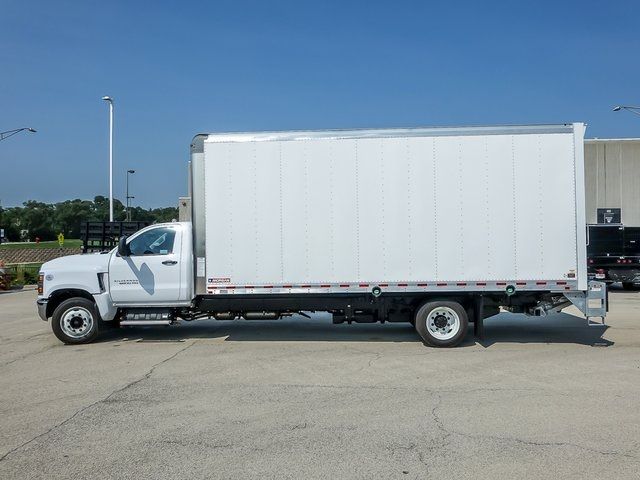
(128,216)
(110,101)
(630,108)
(11,133)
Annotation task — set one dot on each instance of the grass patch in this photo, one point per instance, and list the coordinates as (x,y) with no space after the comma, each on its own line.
(68,243)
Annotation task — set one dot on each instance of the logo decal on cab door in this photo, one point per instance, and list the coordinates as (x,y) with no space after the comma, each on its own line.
(132,281)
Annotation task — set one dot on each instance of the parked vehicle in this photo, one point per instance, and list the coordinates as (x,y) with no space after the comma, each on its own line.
(434,226)
(101,236)
(613,254)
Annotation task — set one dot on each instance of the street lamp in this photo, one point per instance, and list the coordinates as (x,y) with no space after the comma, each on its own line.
(110,101)
(630,108)
(11,133)
(128,214)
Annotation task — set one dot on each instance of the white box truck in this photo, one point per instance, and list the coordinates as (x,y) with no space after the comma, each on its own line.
(439,227)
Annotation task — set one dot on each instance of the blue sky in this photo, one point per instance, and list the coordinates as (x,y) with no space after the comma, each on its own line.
(176,68)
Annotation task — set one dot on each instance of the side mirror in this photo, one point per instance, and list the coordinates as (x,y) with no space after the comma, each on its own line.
(123,248)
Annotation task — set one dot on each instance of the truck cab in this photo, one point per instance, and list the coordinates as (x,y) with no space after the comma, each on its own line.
(151,270)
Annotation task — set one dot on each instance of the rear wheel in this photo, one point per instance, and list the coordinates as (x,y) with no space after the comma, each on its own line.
(629,286)
(76,321)
(441,323)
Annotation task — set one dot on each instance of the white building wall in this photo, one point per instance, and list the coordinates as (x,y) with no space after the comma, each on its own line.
(612,177)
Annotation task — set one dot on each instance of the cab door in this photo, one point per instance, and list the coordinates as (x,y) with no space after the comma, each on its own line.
(150,275)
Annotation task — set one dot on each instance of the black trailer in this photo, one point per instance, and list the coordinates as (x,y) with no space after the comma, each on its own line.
(102,236)
(613,254)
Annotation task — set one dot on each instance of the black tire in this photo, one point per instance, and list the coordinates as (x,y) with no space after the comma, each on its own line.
(76,321)
(629,286)
(451,313)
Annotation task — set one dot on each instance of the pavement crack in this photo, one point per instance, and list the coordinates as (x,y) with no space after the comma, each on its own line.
(201,444)
(436,417)
(423,452)
(376,356)
(543,444)
(441,441)
(31,354)
(448,433)
(97,402)
(145,376)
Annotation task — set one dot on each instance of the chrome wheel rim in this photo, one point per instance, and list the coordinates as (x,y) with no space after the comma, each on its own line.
(443,323)
(76,322)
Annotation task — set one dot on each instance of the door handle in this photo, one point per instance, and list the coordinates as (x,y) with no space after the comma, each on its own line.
(169,262)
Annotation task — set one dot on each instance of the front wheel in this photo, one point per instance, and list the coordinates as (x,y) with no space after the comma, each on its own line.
(76,321)
(442,323)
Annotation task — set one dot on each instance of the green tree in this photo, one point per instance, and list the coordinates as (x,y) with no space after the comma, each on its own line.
(47,220)
(139,214)
(165,214)
(37,218)
(70,214)
(155,215)
(101,209)
(9,221)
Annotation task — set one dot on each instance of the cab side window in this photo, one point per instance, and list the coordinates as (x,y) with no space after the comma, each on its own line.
(158,241)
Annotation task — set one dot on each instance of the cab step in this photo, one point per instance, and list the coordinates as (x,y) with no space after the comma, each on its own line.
(147,317)
(139,323)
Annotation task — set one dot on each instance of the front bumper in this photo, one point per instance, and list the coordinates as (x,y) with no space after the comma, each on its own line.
(42,308)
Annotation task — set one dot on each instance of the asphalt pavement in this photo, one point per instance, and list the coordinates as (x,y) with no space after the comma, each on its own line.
(303,398)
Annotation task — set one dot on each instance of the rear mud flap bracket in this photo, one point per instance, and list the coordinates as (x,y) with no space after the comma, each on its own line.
(592,303)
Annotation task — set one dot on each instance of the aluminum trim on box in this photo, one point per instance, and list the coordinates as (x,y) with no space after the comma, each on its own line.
(296,135)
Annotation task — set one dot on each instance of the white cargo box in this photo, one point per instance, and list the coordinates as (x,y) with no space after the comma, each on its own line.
(420,209)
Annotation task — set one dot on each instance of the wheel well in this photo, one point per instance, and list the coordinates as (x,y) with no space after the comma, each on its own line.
(465,301)
(59,296)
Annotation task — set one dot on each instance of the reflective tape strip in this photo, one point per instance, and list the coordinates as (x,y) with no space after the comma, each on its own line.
(405,287)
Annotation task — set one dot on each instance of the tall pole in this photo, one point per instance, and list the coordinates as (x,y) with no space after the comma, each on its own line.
(110,100)
(128,213)
(127,207)
(111,161)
